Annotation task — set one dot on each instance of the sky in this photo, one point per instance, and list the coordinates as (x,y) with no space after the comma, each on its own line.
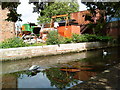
(26,10)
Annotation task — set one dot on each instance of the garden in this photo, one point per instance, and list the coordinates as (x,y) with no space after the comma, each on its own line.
(54,38)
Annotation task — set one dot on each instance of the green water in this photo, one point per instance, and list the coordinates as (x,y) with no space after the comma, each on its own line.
(61,71)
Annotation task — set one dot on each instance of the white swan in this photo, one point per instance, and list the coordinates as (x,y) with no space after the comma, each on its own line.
(104,52)
(34,67)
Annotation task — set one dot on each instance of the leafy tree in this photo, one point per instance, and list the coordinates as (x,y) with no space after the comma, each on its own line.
(110,9)
(57,8)
(12,7)
(39,6)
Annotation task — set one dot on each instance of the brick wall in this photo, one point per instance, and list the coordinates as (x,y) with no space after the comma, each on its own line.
(80,16)
(113,29)
(6,28)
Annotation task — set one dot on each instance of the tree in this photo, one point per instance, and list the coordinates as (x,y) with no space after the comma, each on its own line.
(39,6)
(12,7)
(110,9)
(57,8)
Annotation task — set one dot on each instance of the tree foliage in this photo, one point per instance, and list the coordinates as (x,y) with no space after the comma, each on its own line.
(12,7)
(39,6)
(57,8)
(110,9)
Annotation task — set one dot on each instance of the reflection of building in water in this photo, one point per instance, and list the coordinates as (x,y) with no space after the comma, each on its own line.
(82,71)
(79,74)
(84,75)
(70,73)
(9,81)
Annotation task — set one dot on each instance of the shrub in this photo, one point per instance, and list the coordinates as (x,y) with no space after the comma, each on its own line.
(91,37)
(104,38)
(12,43)
(79,38)
(54,38)
(68,40)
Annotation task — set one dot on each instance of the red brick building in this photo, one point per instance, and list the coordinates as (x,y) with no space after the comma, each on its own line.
(112,29)
(7,29)
(80,19)
(80,16)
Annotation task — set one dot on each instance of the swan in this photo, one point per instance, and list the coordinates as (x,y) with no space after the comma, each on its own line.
(34,67)
(104,52)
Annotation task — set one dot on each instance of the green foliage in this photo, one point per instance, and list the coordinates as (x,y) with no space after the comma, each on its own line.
(104,38)
(111,9)
(57,8)
(79,38)
(91,37)
(54,38)
(68,40)
(37,44)
(12,7)
(12,43)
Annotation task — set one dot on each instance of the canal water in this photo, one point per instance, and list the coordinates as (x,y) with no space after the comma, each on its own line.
(60,71)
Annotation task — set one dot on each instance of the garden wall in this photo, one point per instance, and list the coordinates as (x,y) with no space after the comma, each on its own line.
(7,28)
(35,51)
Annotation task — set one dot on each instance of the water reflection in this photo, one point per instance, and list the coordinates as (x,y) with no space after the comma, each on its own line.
(64,75)
(50,78)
